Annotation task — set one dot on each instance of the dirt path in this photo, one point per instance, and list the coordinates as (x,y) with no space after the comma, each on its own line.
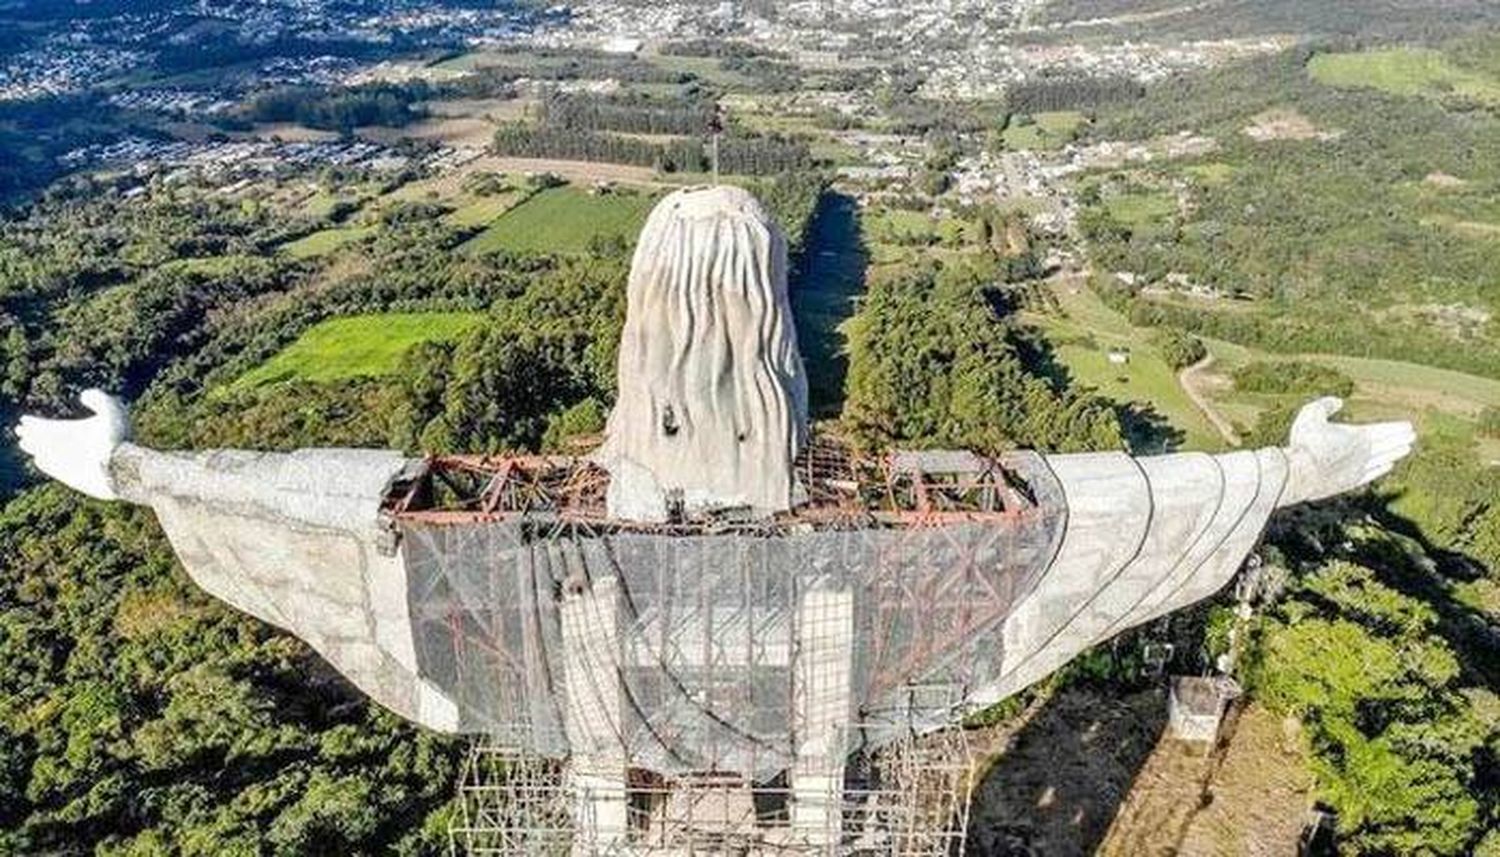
(1192,384)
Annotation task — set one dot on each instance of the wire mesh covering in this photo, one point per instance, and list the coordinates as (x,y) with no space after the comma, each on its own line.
(701,629)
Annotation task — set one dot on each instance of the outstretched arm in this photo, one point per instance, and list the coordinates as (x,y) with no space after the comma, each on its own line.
(1325,459)
(294,539)
(1147,536)
(339,489)
(77,452)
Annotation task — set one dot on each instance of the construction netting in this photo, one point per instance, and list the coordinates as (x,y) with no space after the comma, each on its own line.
(703,630)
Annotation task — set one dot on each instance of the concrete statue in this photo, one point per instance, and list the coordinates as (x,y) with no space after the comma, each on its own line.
(715,589)
(712,399)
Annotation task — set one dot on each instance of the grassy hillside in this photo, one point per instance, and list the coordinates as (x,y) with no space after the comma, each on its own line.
(1331,219)
(1420,72)
(1083,332)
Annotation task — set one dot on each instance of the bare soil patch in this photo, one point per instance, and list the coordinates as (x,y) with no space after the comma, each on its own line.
(1283,123)
(464,132)
(289,132)
(493,109)
(1444,181)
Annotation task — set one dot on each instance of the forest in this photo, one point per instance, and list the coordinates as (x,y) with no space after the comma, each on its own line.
(340,109)
(1344,237)
(586,132)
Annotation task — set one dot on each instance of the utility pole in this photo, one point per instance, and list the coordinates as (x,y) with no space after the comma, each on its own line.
(715,130)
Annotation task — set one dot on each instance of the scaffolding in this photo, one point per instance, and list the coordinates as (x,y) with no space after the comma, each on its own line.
(844,489)
(908,799)
(720,682)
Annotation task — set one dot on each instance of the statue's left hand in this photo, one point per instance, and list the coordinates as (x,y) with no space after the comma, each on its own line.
(77,452)
(1329,458)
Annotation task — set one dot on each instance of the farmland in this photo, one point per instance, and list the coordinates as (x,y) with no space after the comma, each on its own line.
(1408,72)
(564,220)
(356,347)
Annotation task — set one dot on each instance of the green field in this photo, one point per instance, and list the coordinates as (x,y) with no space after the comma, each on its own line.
(325,241)
(899,226)
(1212,173)
(1083,334)
(1410,72)
(1046,131)
(322,203)
(708,69)
(1141,209)
(356,346)
(483,210)
(564,220)
(213,266)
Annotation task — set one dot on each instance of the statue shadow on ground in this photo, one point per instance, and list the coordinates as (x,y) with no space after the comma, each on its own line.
(826,285)
(1055,789)
(1147,430)
(1473,633)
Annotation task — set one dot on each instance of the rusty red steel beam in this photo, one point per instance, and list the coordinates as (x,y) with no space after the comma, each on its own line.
(572,489)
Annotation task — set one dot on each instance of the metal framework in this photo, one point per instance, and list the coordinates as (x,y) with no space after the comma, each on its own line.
(845,490)
(703,671)
(908,799)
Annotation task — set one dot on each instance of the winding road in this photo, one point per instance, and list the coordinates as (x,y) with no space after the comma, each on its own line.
(1192,384)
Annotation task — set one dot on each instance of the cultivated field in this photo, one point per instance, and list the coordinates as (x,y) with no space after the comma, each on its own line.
(564,220)
(1412,72)
(356,346)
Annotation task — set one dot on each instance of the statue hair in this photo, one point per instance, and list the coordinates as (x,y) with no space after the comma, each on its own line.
(712,401)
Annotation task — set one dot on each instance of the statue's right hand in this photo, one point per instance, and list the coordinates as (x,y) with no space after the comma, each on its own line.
(1329,458)
(77,452)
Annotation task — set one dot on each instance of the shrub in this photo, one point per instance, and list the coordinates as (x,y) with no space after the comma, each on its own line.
(1489,421)
(1180,348)
(1287,377)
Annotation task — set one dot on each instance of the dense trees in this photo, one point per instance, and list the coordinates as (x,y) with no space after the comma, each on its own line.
(1075,92)
(738,155)
(1398,713)
(1285,377)
(934,362)
(140,716)
(529,141)
(340,109)
(632,115)
(1179,349)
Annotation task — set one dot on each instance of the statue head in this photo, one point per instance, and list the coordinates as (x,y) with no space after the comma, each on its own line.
(712,403)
